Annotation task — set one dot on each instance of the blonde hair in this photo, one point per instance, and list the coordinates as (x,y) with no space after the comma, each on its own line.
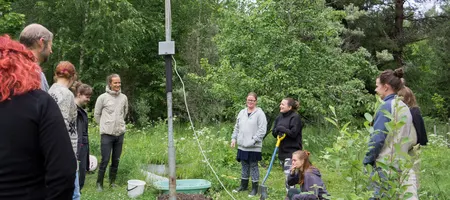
(408,97)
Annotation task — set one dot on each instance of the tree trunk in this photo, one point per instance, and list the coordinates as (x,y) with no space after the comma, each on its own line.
(398,33)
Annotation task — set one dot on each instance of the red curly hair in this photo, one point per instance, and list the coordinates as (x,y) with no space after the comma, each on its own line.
(18,71)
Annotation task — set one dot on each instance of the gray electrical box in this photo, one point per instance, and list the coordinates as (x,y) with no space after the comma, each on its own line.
(166,48)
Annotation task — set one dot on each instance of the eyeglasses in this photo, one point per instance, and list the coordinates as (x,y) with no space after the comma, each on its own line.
(251,100)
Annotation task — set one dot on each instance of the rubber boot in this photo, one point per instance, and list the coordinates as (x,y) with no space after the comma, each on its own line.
(101,176)
(254,189)
(243,187)
(112,177)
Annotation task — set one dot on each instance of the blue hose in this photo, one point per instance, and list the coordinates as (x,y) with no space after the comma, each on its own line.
(270,166)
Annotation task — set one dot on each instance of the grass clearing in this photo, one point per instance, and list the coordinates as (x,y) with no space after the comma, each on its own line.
(149,145)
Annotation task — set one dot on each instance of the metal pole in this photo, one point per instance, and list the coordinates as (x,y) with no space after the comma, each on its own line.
(172,172)
(448,133)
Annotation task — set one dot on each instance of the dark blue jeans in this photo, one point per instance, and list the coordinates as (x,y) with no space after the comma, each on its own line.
(376,185)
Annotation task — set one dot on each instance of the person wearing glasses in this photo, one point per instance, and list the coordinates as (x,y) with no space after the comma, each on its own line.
(248,133)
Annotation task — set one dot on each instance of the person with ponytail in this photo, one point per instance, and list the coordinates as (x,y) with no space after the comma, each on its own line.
(37,161)
(83,94)
(381,144)
(288,123)
(410,99)
(65,76)
(303,173)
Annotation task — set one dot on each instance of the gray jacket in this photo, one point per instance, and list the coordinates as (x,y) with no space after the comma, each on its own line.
(110,111)
(249,131)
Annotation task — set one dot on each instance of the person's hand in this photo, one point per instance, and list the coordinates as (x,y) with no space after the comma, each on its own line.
(294,170)
(280,134)
(281,129)
(233,143)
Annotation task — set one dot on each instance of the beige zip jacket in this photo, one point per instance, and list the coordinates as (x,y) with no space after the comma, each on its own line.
(110,111)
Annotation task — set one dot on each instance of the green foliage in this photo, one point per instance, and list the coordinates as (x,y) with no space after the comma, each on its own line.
(347,161)
(345,158)
(104,37)
(148,145)
(439,106)
(280,49)
(10,21)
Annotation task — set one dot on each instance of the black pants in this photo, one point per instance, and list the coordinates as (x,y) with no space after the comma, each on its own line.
(83,157)
(110,144)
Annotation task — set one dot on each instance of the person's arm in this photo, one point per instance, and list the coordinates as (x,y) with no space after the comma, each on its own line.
(59,160)
(378,137)
(312,184)
(419,124)
(295,127)
(262,127)
(126,107)
(274,129)
(98,109)
(235,130)
(293,178)
(80,132)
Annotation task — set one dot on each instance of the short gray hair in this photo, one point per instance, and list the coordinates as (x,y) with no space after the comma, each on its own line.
(33,33)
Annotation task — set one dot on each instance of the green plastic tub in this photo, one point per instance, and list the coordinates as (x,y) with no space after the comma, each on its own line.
(186,186)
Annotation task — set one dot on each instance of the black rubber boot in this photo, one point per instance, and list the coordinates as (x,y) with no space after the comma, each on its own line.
(101,176)
(254,189)
(112,177)
(243,187)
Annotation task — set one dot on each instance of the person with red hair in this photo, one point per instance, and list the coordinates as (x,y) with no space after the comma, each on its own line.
(65,76)
(36,159)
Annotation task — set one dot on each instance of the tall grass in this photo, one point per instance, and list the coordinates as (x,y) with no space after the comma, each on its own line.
(149,146)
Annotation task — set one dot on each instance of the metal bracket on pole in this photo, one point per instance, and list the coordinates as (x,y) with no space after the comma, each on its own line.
(166,48)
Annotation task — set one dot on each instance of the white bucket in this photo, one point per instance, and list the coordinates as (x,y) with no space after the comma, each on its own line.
(135,188)
(92,163)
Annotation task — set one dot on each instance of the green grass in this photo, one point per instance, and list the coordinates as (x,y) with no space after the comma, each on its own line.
(149,145)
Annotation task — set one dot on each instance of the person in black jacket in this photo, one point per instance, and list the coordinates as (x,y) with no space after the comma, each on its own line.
(36,157)
(289,123)
(410,99)
(83,94)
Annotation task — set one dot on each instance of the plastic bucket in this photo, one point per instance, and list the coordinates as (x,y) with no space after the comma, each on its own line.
(135,188)
(92,163)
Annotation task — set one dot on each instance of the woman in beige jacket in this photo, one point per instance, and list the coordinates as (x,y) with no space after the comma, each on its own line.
(110,111)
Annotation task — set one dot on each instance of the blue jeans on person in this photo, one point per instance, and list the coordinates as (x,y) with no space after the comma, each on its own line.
(76,192)
(376,185)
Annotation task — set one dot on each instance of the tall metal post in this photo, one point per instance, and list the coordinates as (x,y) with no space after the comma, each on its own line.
(171,146)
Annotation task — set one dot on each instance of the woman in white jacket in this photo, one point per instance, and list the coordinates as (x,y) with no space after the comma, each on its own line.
(110,111)
(249,131)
